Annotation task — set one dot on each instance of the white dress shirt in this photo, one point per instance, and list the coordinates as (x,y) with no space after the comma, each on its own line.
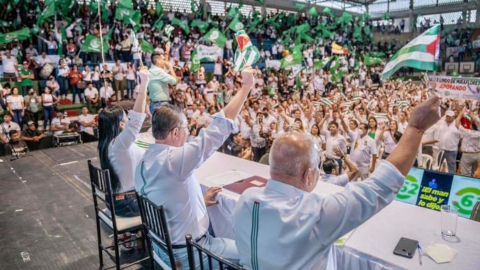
(339,180)
(332,142)
(449,136)
(296,229)
(165,176)
(124,154)
(362,149)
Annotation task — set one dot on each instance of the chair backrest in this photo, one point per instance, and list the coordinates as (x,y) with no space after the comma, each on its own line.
(427,161)
(102,190)
(192,246)
(155,223)
(476,212)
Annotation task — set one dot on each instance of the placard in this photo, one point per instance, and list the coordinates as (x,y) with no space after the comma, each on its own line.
(431,189)
(456,87)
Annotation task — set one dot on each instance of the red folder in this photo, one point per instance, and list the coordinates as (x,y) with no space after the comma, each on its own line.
(240,186)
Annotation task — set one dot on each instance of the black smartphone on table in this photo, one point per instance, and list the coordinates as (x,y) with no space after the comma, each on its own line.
(406,247)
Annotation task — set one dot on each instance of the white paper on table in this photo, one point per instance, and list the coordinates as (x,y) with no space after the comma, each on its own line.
(227,178)
(441,253)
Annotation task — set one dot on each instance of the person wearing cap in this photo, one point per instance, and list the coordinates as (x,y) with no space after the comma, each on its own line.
(448,140)
(27,76)
(32,136)
(160,79)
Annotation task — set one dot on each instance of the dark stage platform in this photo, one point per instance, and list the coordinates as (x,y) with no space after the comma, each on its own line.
(46,212)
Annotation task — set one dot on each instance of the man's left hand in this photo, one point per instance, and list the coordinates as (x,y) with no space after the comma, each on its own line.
(209,196)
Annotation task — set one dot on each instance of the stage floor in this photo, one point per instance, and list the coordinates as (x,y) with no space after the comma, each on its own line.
(46,212)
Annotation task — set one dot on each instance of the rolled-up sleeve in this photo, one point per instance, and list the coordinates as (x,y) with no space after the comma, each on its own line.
(128,136)
(346,210)
(194,153)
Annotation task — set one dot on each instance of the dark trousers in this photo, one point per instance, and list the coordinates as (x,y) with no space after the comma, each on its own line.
(47,116)
(76,91)
(258,153)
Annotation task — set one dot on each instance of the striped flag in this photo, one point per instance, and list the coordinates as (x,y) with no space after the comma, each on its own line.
(168,30)
(326,101)
(402,103)
(371,104)
(380,116)
(421,53)
(346,104)
(337,49)
(246,54)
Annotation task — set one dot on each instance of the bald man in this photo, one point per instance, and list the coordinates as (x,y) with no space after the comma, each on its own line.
(285,226)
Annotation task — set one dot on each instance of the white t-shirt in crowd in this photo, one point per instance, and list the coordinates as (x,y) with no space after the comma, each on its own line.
(91,92)
(87,119)
(9,64)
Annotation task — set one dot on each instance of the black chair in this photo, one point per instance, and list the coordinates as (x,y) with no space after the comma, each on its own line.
(102,191)
(224,264)
(156,228)
(476,212)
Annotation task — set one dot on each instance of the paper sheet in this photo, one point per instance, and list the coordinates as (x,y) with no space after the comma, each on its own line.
(227,178)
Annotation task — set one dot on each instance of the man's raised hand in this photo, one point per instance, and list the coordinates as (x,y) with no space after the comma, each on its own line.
(426,114)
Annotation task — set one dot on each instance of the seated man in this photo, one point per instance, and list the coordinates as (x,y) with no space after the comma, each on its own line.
(165,173)
(32,136)
(16,147)
(91,95)
(60,123)
(87,122)
(7,126)
(332,171)
(285,226)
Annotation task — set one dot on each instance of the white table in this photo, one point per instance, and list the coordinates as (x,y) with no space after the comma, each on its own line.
(371,245)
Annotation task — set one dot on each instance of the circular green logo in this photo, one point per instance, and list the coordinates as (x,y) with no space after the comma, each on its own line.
(468,197)
(409,188)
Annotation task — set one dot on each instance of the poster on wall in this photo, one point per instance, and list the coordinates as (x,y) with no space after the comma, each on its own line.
(465,192)
(456,87)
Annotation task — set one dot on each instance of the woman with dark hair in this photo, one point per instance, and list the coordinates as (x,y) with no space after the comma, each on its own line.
(390,136)
(118,151)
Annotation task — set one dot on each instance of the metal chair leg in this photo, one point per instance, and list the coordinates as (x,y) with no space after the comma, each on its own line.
(117,253)
(99,240)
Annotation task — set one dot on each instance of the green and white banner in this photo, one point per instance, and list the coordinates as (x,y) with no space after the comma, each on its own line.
(209,53)
(456,87)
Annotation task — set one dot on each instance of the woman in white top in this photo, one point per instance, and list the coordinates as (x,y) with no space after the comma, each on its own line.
(130,79)
(62,78)
(16,106)
(53,84)
(96,77)
(390,136)
(87,75)
(51,45)
(118,151)
(48,101)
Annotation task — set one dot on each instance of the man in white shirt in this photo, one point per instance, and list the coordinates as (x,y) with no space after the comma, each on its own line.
(402,121)
(87,122)
(332,172)
(10,67)
(334,139)
(106,92)
(201,116)
(7,126)
(448,140)
(118,80)
(363,151)
(91,95)
(228,46)
(60,123)
(286,218)
(165,174)
(31,50)
(182,85)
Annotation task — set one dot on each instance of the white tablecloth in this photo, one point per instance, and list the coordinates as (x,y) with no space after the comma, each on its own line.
(371,245)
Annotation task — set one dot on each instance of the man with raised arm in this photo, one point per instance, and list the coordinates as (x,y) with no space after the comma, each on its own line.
(165,174)
(285,226)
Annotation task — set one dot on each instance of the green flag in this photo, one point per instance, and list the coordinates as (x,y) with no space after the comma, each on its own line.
(35,29)
(182,25)
(233,12)
(125,4)
(195,65)
(16,35)
(158,24)
(146,47)
(328,12)
(108,36)
(298,82)
(236,24)
(303,28)
(370,61)
(337,76)
(260,2)
(63,37)
(299,6)
(159,9)
(93,44)
(295,58)
(127,15)
(48,12)
(201,25)
(313,12)
(216,37)
(273,23)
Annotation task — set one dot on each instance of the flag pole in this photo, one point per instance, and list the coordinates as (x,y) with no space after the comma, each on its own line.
(101,45)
